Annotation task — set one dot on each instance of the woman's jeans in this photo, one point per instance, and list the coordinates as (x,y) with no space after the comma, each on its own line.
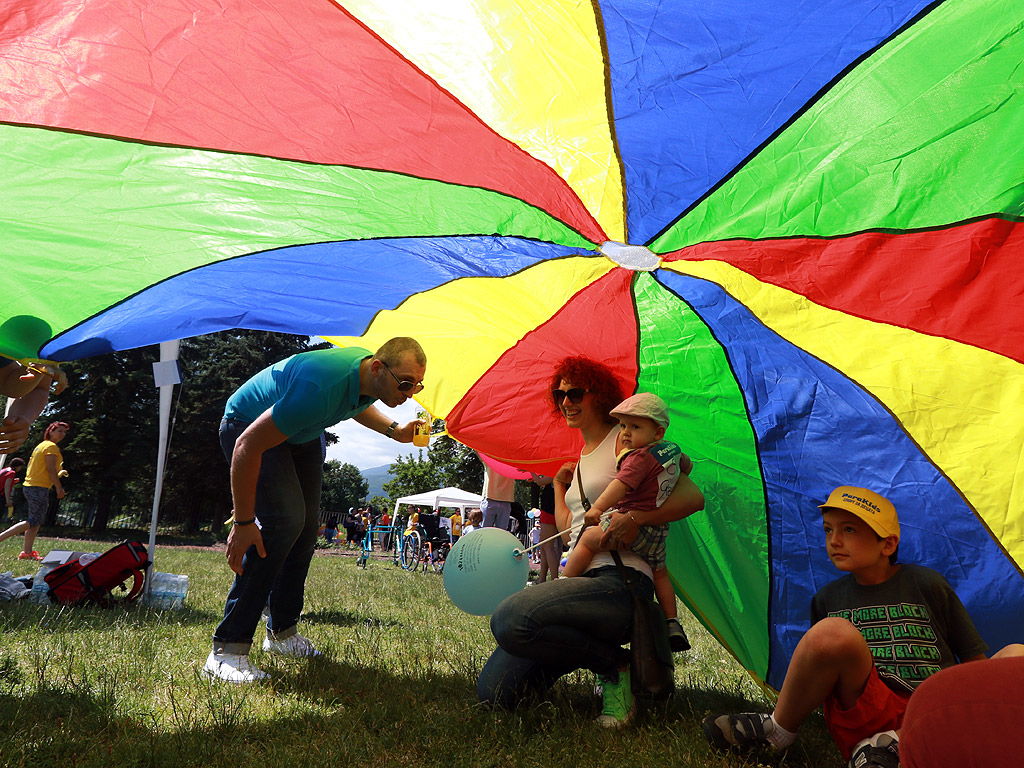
(287,507)
(557,627)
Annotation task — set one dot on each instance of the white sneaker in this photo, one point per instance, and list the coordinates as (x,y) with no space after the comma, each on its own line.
(294,645)
(232,668)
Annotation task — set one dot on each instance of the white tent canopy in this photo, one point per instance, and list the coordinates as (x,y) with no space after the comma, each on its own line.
(443,497)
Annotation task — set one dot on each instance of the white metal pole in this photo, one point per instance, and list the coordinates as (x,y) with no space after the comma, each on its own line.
(165,375)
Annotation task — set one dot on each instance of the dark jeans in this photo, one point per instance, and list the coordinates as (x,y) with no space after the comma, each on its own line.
(287,506)
(557,627)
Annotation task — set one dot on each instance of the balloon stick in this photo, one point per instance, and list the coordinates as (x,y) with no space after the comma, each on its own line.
(520,552)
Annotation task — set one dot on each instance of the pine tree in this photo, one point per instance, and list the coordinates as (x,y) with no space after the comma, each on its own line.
(111,407)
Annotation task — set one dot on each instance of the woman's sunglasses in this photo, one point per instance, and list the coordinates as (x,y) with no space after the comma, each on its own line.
(575,395)
(403,384)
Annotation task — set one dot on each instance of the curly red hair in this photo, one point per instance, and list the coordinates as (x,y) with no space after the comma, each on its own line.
(592,376)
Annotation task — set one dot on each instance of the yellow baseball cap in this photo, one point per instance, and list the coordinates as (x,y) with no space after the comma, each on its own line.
(874,509)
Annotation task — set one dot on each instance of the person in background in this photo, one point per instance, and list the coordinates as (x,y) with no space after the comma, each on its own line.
(476,520)
(497,496)
(331,530)
(349,522)
(45,471)
(551,552)
(456,526)
(413,523)
(534,541)
(8,478)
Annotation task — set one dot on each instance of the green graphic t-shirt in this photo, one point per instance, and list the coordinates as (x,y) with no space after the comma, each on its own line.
(914,623)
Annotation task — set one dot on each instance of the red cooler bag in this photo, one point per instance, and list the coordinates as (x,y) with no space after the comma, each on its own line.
(116,576)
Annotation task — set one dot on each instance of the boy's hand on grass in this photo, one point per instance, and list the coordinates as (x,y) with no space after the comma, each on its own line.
(239,540)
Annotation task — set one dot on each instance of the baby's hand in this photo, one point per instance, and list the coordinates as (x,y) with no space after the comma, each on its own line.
(593,517)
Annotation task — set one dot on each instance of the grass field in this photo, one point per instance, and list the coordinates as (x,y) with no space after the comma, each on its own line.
(395,686)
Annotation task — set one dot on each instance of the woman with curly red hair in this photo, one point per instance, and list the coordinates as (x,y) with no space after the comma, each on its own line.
(560,626)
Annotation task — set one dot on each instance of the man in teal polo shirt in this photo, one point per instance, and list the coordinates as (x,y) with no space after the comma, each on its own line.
(272,435)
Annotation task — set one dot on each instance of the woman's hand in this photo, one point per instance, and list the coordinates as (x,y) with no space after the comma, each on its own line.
(565,473)
(563,517)
(239,540)
(622,529)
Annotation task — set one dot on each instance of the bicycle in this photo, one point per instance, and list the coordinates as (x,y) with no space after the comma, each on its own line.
(364,555)
(427,546)
(387,537)
(412,544)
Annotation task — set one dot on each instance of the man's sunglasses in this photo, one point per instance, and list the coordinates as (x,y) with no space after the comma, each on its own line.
(575,395)
(403,385)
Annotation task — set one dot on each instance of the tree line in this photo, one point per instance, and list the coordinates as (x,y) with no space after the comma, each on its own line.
(111,405)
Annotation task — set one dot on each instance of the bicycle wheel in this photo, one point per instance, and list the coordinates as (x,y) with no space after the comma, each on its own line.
(411,551)
(364,555)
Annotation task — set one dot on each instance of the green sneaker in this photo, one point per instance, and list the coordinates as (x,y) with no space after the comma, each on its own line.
(617,698)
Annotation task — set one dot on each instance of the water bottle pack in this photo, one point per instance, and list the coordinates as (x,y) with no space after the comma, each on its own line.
(167,590)
(40,589)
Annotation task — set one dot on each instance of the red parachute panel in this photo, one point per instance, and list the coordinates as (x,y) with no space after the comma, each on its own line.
(963,283)
(312,84)
(507,413)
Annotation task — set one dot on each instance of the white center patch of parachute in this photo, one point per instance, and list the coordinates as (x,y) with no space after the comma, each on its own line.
(639,258)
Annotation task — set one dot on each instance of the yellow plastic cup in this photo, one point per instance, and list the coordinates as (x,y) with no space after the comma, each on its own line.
(421,435)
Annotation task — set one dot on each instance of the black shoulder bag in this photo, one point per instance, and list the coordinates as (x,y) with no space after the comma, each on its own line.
(650,657)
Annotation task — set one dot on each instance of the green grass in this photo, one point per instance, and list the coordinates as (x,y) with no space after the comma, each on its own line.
(395,687)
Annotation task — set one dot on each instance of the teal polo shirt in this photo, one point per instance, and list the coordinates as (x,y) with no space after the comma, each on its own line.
(307,393)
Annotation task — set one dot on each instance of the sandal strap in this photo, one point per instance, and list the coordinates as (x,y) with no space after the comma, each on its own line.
(748,729)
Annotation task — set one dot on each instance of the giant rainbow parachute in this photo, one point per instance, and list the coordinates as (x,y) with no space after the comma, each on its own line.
(801,223)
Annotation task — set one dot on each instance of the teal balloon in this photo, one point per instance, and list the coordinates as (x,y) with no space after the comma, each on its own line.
(483,568)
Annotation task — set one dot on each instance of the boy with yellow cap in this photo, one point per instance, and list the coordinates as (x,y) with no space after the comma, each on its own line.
(876,634)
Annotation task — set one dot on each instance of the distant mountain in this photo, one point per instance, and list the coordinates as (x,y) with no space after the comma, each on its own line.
(375,477)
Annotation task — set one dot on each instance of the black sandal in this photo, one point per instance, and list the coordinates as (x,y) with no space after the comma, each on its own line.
(738,733)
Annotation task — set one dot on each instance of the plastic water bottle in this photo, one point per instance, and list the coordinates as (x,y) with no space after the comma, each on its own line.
(167,590)
(40,589)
